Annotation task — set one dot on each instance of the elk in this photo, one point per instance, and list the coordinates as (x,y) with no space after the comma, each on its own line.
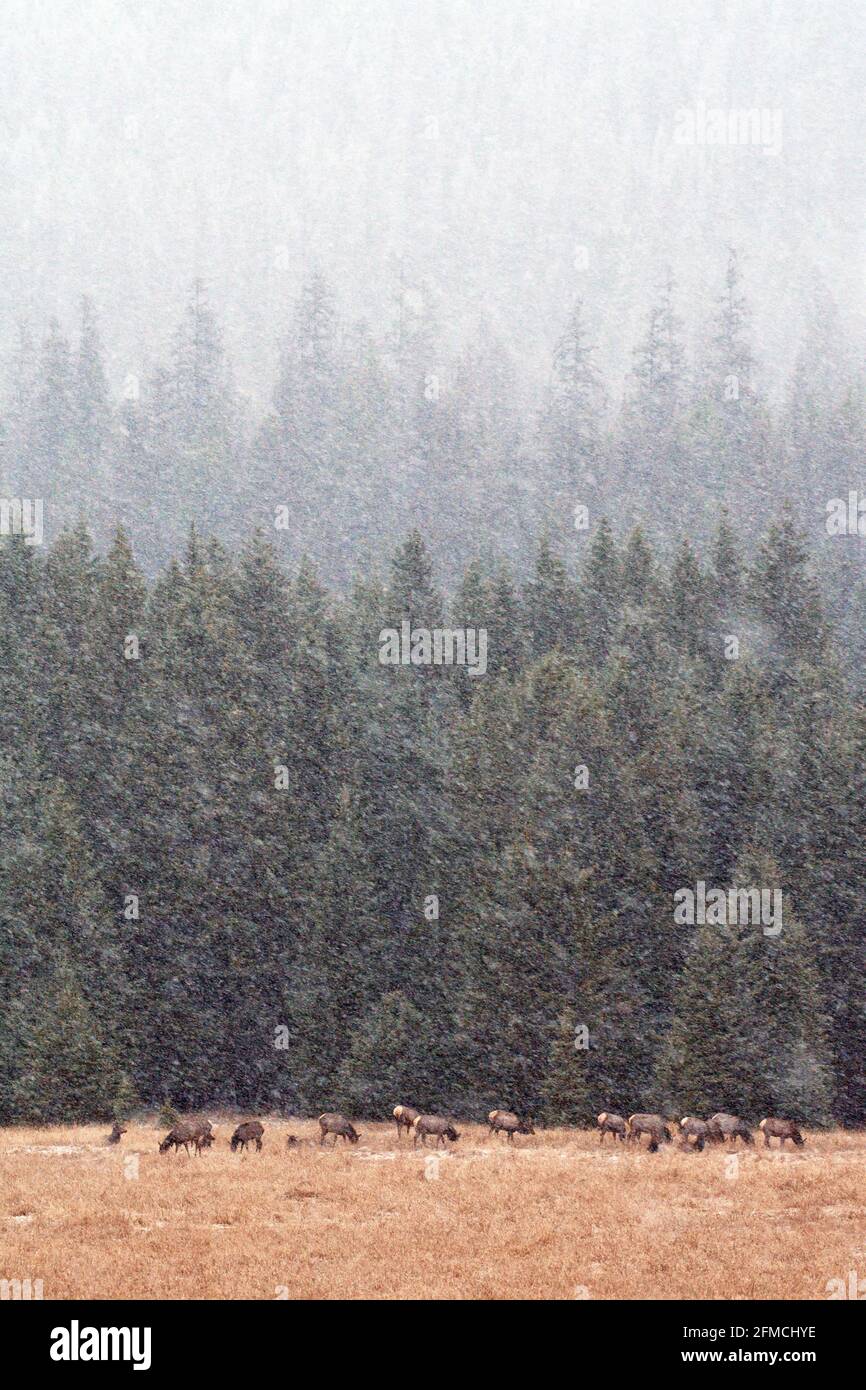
(609,1123)
(504,1122)
(405,1115)
(781,1130)
(202,1134)
(339,1126)
(179,1136)
(653,1125)
(697,1130)
(114,1136)
(246,1133)
(434,1124)
(722,1127)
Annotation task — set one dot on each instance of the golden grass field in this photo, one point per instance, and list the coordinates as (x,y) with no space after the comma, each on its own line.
(557,1217)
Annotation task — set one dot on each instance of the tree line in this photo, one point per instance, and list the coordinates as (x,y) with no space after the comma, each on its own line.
(369,435)
(247,864)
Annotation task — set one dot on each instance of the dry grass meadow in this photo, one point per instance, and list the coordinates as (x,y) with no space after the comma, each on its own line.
(556,1218)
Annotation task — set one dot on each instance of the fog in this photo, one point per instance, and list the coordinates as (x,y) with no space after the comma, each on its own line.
(496,159)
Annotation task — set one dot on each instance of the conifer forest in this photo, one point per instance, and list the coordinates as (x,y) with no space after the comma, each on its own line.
(432,564)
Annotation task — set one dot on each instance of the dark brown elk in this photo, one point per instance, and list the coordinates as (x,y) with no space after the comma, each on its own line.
(504,1122)
(202,1134)
(114,1136)
(405,1115)
(781,1130)
(722,1127)
(339,1126)
(179,1136)
(608,1123)
(247,1133)
(433,1124)
(694,1132)
(653,1125)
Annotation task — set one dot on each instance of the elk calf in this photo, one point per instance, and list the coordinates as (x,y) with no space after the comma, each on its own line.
(246,1133)
(609,1123)
(114,1136)
(405,1115)
(653,1125)
(339,1126)
(781,1130)
(697,1130)
(504,1122)
(722,1127)
(433,1124)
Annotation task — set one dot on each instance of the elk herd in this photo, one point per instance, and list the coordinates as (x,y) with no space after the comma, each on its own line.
(694,1134)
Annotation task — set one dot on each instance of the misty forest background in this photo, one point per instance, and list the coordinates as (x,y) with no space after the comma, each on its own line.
(299,913)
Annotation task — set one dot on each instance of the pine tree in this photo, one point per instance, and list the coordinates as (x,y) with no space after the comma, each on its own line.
(67,1072)
(785,594)
(393,1054)
(652,455)
(572,465)
(92,408)
(729,439)
(50,468)
(601,592)
(749,1033)
(551,604)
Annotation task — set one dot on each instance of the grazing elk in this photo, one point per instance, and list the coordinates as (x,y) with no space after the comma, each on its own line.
(433,1124)
(694,1130)
(339,1126)
(114,1136)
(653,1125)
(781,1130)
(179,1136)
(405,1115)
(504,1122)
(722,1127)
(202,1134)
(609,1123)
(246,1133)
